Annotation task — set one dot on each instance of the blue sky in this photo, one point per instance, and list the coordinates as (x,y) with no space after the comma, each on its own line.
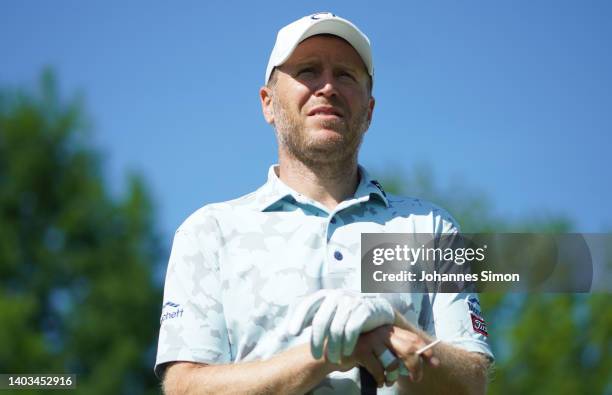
(515,98)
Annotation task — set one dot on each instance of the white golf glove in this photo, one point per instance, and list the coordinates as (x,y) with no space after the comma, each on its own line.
(340,316)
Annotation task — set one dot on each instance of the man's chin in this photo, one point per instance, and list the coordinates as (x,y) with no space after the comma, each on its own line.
(327,142)
(327,139)
(328,151)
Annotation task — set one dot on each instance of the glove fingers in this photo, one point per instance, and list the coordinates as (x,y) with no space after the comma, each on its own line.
(303,315)
(372,313)
(320,325)
(352,329)
(336,333)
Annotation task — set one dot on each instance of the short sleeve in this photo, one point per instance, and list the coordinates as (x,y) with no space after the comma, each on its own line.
(192,323)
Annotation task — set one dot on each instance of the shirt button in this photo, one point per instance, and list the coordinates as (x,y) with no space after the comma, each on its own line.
(338,255)
(333,220)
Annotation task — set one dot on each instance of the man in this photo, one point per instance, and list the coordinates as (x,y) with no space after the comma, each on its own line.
(262,292)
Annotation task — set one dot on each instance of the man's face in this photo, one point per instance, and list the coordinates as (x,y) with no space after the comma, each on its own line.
(320,103)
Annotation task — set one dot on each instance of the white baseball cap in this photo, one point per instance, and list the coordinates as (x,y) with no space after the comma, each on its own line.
(294,33)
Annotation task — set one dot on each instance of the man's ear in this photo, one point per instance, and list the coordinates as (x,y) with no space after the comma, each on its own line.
(265,95)
(371,108)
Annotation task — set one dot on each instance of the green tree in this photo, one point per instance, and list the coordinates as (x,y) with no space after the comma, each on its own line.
(77,293)
(544,343)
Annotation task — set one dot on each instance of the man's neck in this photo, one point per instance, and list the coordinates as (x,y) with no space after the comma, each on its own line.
(328,185)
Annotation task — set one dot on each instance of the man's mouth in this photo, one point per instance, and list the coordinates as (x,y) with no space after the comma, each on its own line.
(325,111)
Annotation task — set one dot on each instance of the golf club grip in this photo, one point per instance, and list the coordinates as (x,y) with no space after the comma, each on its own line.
(368,384)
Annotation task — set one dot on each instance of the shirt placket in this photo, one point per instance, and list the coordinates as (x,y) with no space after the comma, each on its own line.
(339,254)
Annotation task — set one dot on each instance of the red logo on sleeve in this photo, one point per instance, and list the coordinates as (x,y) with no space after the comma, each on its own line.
(479,325)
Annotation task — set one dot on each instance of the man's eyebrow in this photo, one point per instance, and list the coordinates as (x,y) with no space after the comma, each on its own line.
(350,67)
(305,61)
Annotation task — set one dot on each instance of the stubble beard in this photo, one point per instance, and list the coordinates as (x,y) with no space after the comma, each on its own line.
(329,154)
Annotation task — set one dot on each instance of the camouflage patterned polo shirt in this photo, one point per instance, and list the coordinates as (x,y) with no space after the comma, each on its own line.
(238,269)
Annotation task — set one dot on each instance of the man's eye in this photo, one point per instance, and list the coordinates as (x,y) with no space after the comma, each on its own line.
(305,71)
(347,75)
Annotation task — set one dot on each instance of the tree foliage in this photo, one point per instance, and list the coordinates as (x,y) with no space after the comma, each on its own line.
(77,293)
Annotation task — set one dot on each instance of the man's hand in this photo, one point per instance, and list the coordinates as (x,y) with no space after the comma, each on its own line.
(338,317)
(405,344)
(402,343)
(367,353)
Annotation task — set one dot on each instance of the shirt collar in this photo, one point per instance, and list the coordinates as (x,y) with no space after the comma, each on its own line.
(274,190)
(370,187)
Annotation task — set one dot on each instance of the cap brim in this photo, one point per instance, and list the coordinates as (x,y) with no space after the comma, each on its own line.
(337,27)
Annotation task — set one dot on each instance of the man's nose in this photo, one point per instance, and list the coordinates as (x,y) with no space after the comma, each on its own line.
(326,85)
